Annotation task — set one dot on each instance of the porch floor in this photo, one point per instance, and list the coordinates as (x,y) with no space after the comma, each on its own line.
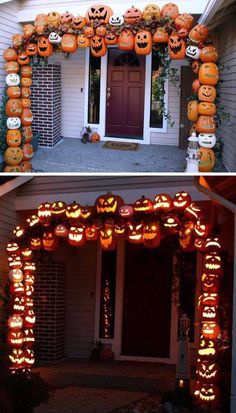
(84,386)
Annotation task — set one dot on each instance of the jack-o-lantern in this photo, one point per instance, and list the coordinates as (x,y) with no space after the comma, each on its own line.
(13,107)
(212,263)
(26,71)
(193,52)
(209,54)
(170,10)
(195,66)
(208,393)
(133,15)
(54,38)
(207,93)
(151,12)
(73,211)
(13,92)
(25,92)
(209,313)
(11,67)
(199,244)
(176,46)
(212,244)
(143,205)
(186,235)
(25,103)
(207,108)
(27,133)
(29,320)
(208,299)
(111,38)
(95,137)
(29,339)
(26,82)
(69,43)
(15,322)
(143,42)
(184,21)
(107,239)
(108,203)
(76,235)
(17,289)
(44,47)
(29,303)
(16,275)
(210,282)
(181,200)
(160,35)
(208,348)
(98,14)
(101,31)
(15,339)
(12,79)
(16,358)
(83,40)
(44,213)
(29,290)
(66,19)
(10,54)
(33,220)
(89,31)
(18,305)
(207,140)
(28,30)
(193,110)
(193,212)
(29,358)
(29,279)
(29,266)
(199,33)
(182,33)
(35,243)
(78,23)
(98,46)
(17,40)
(206,124)
(23,59)
(208,371)
(61,230)
(209,74)
(135,232)
(13,123)
(58,208)
(31,49)
(210,329)
(13,156)
(120,229)
(49,240)
(162,202)
(13,248)
(14,263)
(151,234)
(207,160)
(19,231)
(27,253)
(53,19)
(126,211)
(86,212)
(170,223)
(26,117)
(28,151)
(91,233)
(26,167)
(116,20)
(126,40)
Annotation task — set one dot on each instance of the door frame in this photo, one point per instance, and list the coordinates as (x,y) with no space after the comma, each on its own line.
(101,127)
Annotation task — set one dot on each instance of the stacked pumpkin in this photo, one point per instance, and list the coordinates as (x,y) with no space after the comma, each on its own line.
(203,109)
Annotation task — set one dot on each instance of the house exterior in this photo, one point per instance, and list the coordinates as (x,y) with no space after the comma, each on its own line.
(79,102)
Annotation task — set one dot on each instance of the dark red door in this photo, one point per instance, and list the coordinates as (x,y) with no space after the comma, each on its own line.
(125,94)
(147,301)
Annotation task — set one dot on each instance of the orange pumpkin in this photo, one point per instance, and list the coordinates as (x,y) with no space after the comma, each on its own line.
(13,107)
(66,19)
(23,59)
(199,33)
(26,117)
(78,23)
(27,133)
(44,47)
(182,33)
(196,85)
(206,124)
(98,14)
(143,42)
(95,137)
(13,138)
(111,38)
(209,54)
(13,92)
(26,71)
(83,40)
(11,67)
(40,22)
(69,43)
(193,110)
(13,169)
(170,10)
(207,108)
(151,12)
(17,40)
(195,66)
(160,35)
(126,40)
(25,103)
(184,21)
(209,74)
(133,15)
(176,47)
(10,54)
(207,93)
(101,31)
(53,19)
(98,46)
(89,31)
(31,49)
(28,151)
(207,160)
(28,30)
(25,92)
(13,156)
(26,81)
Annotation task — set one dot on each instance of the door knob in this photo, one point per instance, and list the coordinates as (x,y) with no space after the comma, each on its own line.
(108,95)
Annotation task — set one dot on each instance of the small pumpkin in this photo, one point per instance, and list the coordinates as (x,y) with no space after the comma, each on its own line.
(13,107)
(206,124)
(10,54)
(182,33)
(25,92)
(27,133)
(23,59)
(28,151)
(207,108)
(160,35)
(26,167)
(40,23)
(13,138)
(89,31)
(196,85)
(26,117)
(133,15)
(95,137)
(69,43)
(207,93)
(170,10)
(193,110)
(25,103)
(207,159)
(26,81)
(195,66)
(143,42)
(126,40)
(209,74)
(78,22)
(116,20)
(83,40)
(184,21)
(176,47)
(111,38)
(101,31)
(31,49)
(44,47)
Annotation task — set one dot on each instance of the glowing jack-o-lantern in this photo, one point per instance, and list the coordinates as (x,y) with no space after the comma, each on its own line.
(209,313)
(16,358)
(73,211)
(29,303)
(126,211)
(107,239)
(29,266)
(29,358)
(15,262)
(208,299)
(29,339)
(91,233)
(30,319)
(76,235)
(202,228)
(151,234)
(16,275)
(18,305)
(19,231)
(120,229)
(212,263)
(44,212)
(193,212)
(212,244)
(61,230)
(49,240)
(181,200)
(13,248)
(208,393)
(143,205)
(208,348)
(29,290)
(208,371)
(210,329)
(162,202)
(86,212)
(27,253)
(210,282)
(170,223)
(135,232)
(17,289)
(15,322)
(108,203)
(15,339)
(29,279)
(35,243)
(33,220)
(58,208)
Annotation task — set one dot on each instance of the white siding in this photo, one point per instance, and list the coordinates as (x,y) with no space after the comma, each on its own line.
(8,220)
(226,38)
(72,95)
(8,27)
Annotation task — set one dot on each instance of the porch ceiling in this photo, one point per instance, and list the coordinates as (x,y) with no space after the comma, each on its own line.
(223,186)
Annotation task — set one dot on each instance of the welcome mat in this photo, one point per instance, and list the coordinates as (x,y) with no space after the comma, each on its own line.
(121,146)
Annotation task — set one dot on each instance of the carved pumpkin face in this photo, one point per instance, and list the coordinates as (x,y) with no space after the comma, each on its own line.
(207,93)
(29,339)
(202,228)
(26,82)
(207,108)
(79,22)
(162,202)
(209,54)
(10,54)
(53,19)
(207,370)
(108,204)
(69,43)
(116,20)
(29,358)
(44,212)
(126,211)
(28,151)
(209,393)
(120,229)
(83,40)
(182,33)
(99,14)
(61,230)
(107,240)
(30,319)
(193,52)
(101,31)
(209,74)
(29,266)
(126,40)
(13,123)
(184,21)
(16,358)
(31,49)
(207,140)
(58,208)
(207,160)
(29,302)
(19,231)
(212,244)
(17,289)
(29,279)
(73,210)
(25,103)
(91,233)
(76,236)
(15,339)
(181,200)
(44,47)
(23,59)
(29,290)
(209,313)
(193,110)
(54,38)
(132,15)
(207,348)
(98,46)
(35,243)
(89,31)
(176,46)
(11,67)
(210,329)
(25,92)
(171,223)
(143,205)
(26,71)
(13,79)
(151,235)
(13,138)
(151,12)
(193,212)
(208,299)
(13,92)
(13,248)
(15,275)
(199,33)
(111,38)
(86,212)
(170,10)
(18,305)
(135,232)
(160,35)
(66,19)
(143,42)
(206,124)
(212,263)
(27,253)
(49,240)
(15,322)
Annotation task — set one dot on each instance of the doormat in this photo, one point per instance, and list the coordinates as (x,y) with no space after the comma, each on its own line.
(121,146)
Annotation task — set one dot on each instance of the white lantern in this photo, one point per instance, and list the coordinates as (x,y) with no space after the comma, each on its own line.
(13,79)
(116,20)
(206,140)
(192,165)
(193,52)
(54,38)
(13,123)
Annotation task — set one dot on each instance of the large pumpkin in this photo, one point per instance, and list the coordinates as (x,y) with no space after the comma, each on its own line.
(13,137)
(151,12)
(98,46)
(143,42)
(207,93)
(44,47)
(13,156)
(209,74)
(108,204)
(170,10)
(126,40)
(199,33)
(176,46)
(206,124)
(69,43)
(10,54)
(184,21)
(98,13)
(40,23)
(13,107)
(133,15)
(207,160)
(11,67)
(209,54)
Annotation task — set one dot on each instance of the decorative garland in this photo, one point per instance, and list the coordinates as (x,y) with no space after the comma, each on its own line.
(136,30)
(145,222)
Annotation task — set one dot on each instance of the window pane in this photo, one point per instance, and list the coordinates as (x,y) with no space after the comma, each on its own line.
(108,291)
(156,118)
(94,89)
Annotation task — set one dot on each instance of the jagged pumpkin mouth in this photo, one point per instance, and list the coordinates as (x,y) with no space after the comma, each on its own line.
(97,49)
(176,49)
(98,16)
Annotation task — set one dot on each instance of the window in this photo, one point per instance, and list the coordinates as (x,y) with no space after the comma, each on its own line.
(94,89)
(156,118)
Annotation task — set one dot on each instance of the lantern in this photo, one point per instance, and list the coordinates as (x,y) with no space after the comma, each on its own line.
(135,232)
(193,211)
(76,235)
(15,262)
(210,329)
(185,235)
(209,393)
(27,253)
(91,233)
(17,289)
(208,299)
(86,212)
(208,371)
(209,313)
(17,358)
(44,212)
(29,279)
(108,203)
(33,220)
(49,240)
(212,263)
(29,290)
(208,348)
(15,339)
(15,322)
(29,358)
(30,319)
(13,248)
(73,210)
(107,240)
(143,205)
(18,305)
(181,200)
(16,275)
(35,243)
(29,266)
(170,223)
(212,244)
(58,208)
(120,229)
(126,211)
(151,234)
(19,231)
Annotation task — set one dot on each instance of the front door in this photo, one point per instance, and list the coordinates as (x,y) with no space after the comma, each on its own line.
(147,301)
(125,94)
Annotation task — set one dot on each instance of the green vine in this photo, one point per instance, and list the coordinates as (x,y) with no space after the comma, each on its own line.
(3,122)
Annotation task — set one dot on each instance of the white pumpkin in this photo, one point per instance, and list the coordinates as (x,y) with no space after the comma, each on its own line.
(116,20)
(13,79)
(207,140)
(193,52)
(54,38)
(13,123)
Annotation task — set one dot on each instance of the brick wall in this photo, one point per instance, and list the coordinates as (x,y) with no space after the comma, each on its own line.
(49,303)
(46,104)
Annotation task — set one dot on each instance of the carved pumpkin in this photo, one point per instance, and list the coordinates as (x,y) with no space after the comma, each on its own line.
(12,79)
(61,231)
(18,305)
(207,140)
(16,275)
(98,46)
(27,253)
(126,211)
(160,35)
(208,371)
(193,52)
(23,59)
(143,42)
(13,107)
(209,54)
(29,302)
(202,228)
(54,38)
(135,232)
(209,393)
(69,43)
(208,299)
(212,263)
(58,208)
(95,137)
(16,358)
(13,248)
(25,103)
(182,33)
(193,212)
(25,92)
(73,211)
(170,10)
(29,339)
(79,22)
(108,203)
(209,74)
(89,31)
(199,33)
(186,235)
(181,200)
(151,234)
(101,31)
(12,67)
(76,235)
(208,348)
(14,263)
(207,108)
(199,244)
(26,81)
(193,110)
(126,40)
(17,40)
(35,243)
(206,124)
(170,223)
(162,202)
(29,358)
(28,30)
(29,266)
(116,20)
(176,46)
(107,239)
(15,339)
(151,12)
(207,93)
(98,14)
(26,117)
(40,23)
(49,240)
(26,71)
(10,54)
(120,229)
(210,329)
(66,19)
(91,233)
(13,92)
(133,15)
(27,133)
(210,283)
(83,41)
(86,212)
(44,47)
(15,322)
(29,290)
(111,38)
(13,156)
(184,21)
(17,289)
(29,278)
(195,66)
(31,49)
(212,244)
(28,151)
(53,19)
(143,205)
